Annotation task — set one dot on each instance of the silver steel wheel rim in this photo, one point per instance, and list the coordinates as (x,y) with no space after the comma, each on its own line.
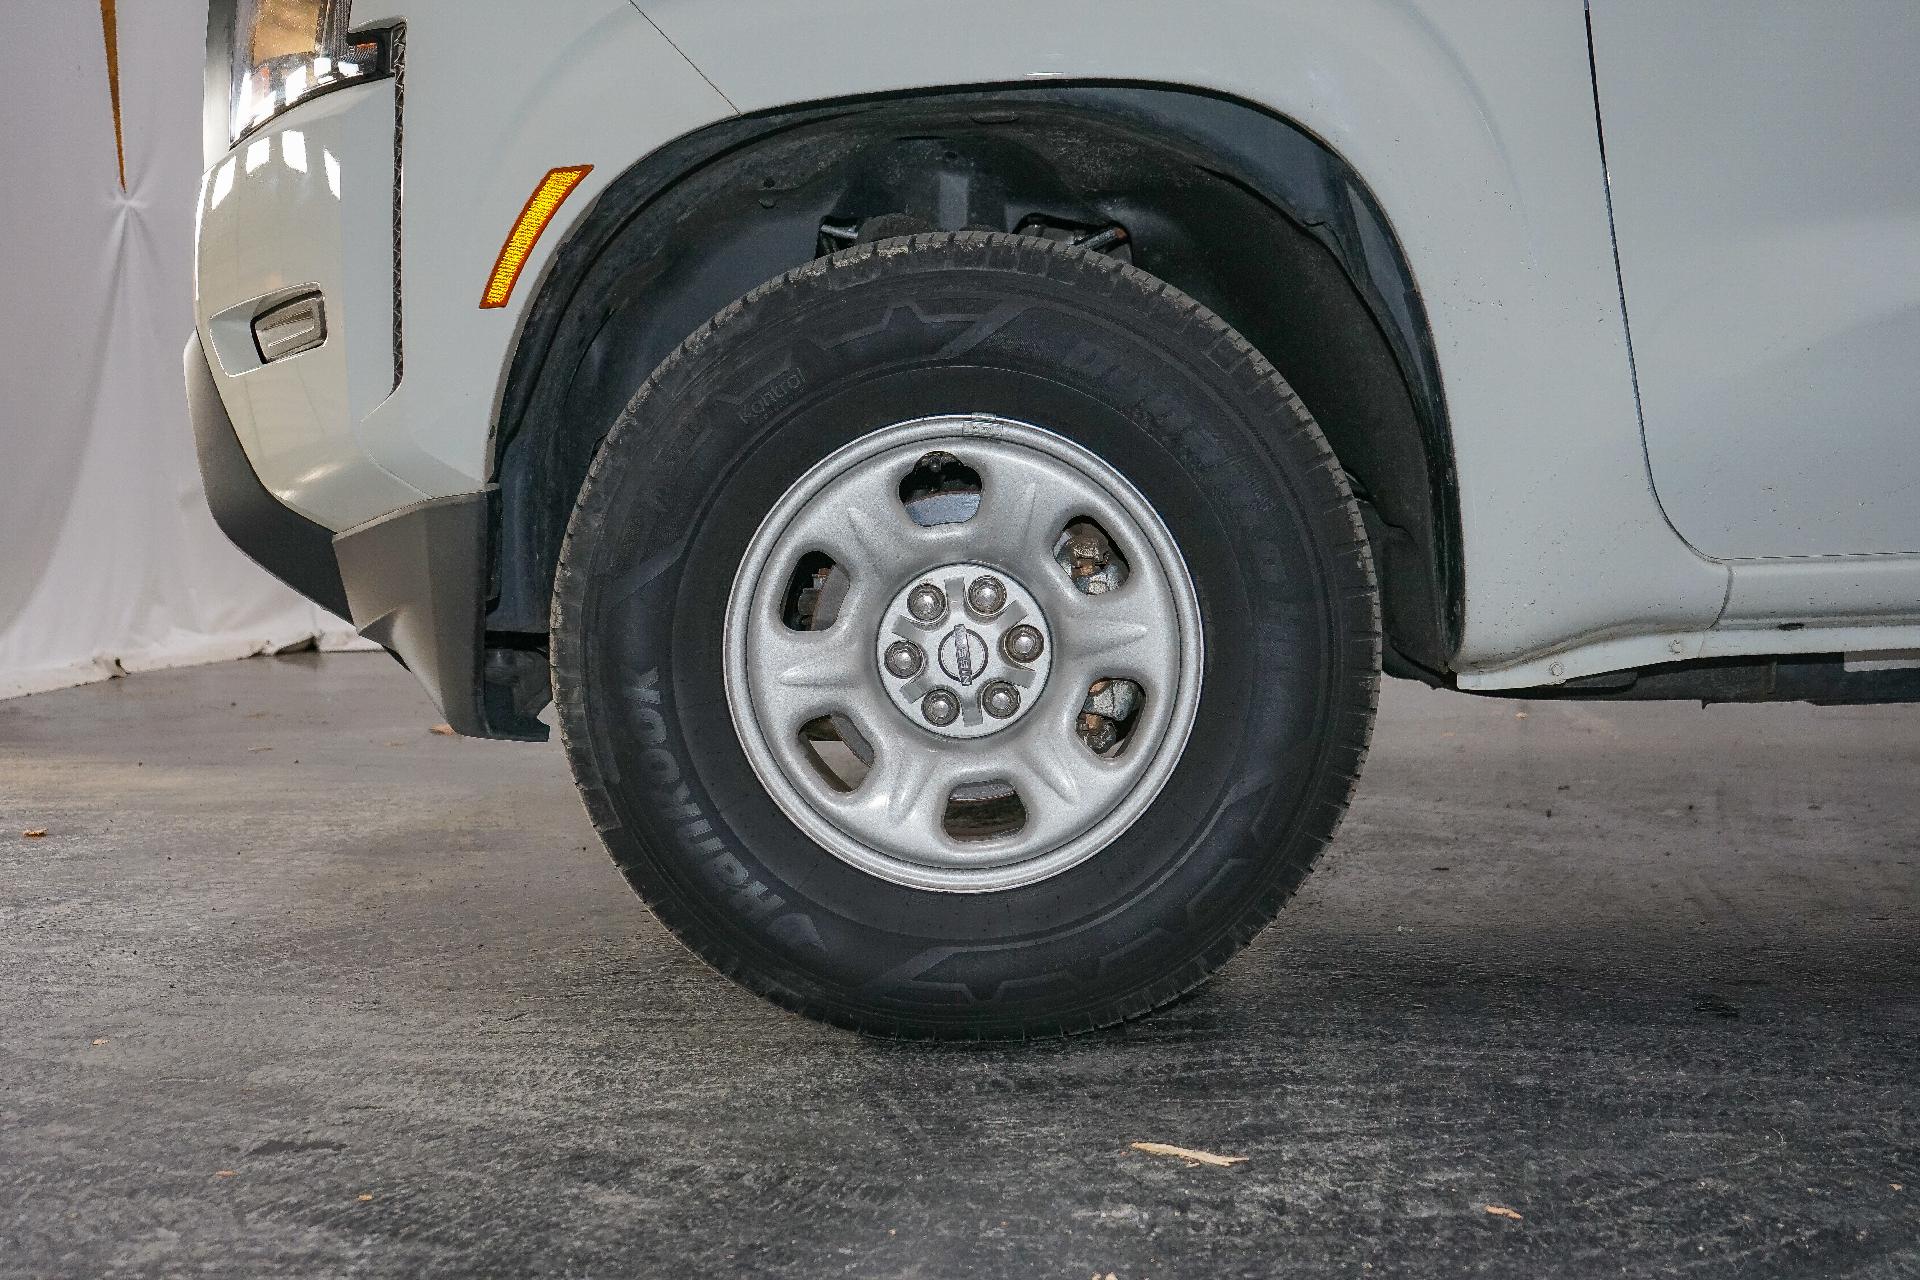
(892,825)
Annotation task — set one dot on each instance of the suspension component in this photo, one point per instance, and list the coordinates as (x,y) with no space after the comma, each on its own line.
(1089,558)
(1108,713)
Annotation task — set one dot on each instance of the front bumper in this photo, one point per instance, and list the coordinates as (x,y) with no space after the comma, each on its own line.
(390,204)
(305,207)
(283,542)
(410,580)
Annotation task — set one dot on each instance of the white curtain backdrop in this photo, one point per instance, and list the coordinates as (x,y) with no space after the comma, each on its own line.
(109,561)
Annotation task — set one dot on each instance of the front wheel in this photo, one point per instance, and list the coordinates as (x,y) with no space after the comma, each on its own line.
(965,636)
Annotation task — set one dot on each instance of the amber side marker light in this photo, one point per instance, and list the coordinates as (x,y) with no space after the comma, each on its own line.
(541,206)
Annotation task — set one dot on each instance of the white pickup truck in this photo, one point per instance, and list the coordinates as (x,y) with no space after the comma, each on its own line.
(959,472)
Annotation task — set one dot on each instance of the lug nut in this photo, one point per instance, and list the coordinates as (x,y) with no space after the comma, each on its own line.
(903,659)
(940,707)
(987,595)
(926,603)
(1000,699)
(1024,643)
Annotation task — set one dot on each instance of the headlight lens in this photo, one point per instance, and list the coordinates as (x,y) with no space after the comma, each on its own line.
(285,51)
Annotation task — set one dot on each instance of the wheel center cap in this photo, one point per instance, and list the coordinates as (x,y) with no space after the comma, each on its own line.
(964,650)
(963,655)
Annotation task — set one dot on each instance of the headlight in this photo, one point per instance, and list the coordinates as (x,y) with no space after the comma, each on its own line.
(285,51)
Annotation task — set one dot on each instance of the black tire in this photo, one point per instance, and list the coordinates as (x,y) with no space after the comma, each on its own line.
(1031,330)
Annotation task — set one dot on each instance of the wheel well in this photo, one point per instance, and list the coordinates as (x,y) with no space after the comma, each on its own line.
(1244,212)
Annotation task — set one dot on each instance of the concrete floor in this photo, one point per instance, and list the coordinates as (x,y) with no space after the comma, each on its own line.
(293,986)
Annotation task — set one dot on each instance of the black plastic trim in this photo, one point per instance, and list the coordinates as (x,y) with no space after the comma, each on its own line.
(397,59)
(286,544)
(1819,678)
(414,579)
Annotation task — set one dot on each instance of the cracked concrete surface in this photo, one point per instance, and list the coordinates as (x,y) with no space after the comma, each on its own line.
(293,986)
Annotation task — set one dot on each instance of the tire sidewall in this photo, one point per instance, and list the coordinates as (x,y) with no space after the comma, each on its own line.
(1113,361)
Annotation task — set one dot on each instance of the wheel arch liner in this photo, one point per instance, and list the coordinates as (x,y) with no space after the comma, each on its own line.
(610,256)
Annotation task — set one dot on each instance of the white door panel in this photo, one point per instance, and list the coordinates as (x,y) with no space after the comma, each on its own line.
(1766,200)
